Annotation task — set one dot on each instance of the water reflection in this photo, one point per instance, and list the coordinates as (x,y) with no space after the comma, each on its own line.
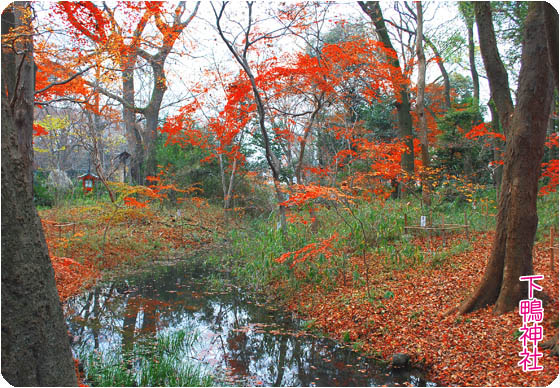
(241,340)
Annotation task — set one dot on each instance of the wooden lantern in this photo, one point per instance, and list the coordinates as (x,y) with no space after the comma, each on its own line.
(88,181)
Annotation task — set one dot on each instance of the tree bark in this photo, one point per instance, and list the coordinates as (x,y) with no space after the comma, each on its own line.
(495,69)
(420,111)
(497,146)
(444,74)
(35,345)
(151,111)
(551,29)
(133,134)
(141,144)
(467,12)
(472,62)
(525,128)
(159,84)
(404,118)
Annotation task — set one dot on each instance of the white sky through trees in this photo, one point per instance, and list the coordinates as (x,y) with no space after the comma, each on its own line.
(200,51)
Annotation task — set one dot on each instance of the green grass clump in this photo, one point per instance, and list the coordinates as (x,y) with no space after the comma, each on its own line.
(547,210)
(161,361)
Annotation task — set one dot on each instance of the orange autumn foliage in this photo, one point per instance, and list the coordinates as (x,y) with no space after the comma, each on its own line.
(71,276)
(549,169)
(39,130)
(309,251)
(482,130)
(128,201)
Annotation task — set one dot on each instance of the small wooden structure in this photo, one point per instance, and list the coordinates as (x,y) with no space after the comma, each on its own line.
(66,226)
(88,181)
(429,227)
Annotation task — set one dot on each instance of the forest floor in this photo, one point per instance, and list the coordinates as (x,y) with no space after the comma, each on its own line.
(405,311)
(408,315)
(88,247)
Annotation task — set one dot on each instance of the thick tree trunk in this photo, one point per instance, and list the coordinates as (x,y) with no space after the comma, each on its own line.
(552,344)
(497,146)
(551,29)
(495,69)
(150,136)
(35,345)
(404,120)
(157,62)
(517,212)
(151,113)
(133,135)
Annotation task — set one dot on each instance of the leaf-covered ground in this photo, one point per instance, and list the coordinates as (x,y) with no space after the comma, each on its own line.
(100,244)
(407,313)
(406,310)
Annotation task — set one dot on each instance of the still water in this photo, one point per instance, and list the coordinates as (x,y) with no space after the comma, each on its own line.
(242,340)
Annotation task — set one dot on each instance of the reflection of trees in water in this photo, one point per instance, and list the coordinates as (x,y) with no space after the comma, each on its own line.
(94,316)
(147,305)
(129,324)
(140,308)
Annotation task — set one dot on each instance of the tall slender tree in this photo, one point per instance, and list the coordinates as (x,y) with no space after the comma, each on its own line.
(35,346)
(241,52)
(467,13)
(402,103)
(420,109)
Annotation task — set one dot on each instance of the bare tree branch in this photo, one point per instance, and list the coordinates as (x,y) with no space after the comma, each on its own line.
(74,76)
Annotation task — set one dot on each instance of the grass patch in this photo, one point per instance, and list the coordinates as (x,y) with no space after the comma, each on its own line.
(162,361)
(374,230)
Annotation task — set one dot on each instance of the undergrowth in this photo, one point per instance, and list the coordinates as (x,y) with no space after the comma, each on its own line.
(382,241)
(161,361)
(106,237)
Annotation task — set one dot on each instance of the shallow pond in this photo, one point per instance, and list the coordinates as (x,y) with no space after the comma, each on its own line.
(241,339)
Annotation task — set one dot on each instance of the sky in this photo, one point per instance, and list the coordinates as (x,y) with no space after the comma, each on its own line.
(202,50)
(210,51)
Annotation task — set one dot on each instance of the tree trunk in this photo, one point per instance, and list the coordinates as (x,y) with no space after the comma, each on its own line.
(404,118)
(472,62)
(35,345)
(420,111)
(229,194)
(552,344)
(151,113)
(271,158)
(150,137)
(133,136)
(223,179)
(517,219)
(497,146)
(467,12)
(159,84)
(444,75)
(551,29)
(497,74)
